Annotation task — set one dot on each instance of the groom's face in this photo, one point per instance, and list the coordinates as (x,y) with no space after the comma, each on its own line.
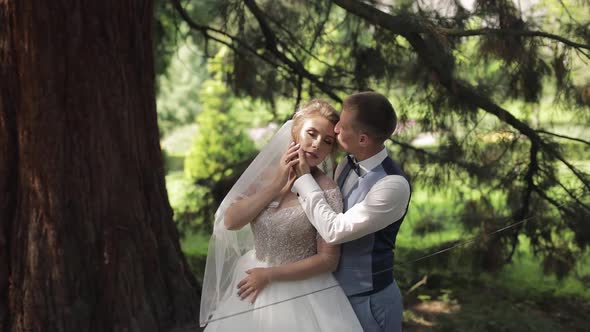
(347,136)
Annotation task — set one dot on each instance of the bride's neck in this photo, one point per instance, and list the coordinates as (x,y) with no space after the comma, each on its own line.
(315,171)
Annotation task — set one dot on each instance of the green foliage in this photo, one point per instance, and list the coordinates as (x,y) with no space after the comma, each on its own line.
(219,147)
(221,144)
(165,22)
(213,163)
(178,99)
(195,245)
(179,141)
(172,162)
(212,152)
(189,202)
(472,178)
(171,32)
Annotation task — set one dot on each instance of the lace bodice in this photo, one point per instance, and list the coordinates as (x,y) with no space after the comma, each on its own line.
(285,235)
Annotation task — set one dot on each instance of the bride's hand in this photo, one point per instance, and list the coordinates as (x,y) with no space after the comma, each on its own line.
(254,283)
(285,175)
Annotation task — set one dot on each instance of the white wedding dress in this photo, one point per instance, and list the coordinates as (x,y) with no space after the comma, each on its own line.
(318,303)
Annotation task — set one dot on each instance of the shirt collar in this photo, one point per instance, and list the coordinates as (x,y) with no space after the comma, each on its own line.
(372,162)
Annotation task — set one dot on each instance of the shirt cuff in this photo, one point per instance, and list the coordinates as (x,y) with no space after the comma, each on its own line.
(305,185)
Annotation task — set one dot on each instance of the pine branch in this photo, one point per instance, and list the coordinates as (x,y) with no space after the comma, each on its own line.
(470,167)
(514,32)
(294,40)
(272,47)
(526,198)
(572,195)
(564,136)
(207,30)
(556,204)
(440,62)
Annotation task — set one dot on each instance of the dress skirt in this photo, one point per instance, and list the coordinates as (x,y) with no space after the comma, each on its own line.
(314,304)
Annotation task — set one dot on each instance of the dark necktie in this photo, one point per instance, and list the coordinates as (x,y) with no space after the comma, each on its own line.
(354,165)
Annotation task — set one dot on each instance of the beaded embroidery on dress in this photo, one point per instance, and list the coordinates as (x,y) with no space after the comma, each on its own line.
(281,236)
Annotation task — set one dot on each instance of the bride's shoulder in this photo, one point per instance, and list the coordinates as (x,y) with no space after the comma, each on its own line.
(324,181)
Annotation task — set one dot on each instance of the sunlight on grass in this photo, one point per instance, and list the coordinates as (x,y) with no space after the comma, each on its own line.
(525,274)
(432,219)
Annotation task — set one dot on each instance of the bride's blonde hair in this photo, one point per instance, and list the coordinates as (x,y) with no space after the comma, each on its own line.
(314,107)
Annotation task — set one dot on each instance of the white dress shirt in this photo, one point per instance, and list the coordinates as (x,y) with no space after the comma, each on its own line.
(385,203)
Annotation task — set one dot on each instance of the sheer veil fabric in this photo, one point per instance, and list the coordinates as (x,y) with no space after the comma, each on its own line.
(225,246)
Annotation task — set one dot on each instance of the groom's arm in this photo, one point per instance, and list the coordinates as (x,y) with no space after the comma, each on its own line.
(385,203)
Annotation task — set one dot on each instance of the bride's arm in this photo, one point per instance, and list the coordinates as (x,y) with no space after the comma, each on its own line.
(326,260)
(243,211)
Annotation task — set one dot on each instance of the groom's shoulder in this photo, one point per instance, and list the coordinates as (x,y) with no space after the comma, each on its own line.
(391,167)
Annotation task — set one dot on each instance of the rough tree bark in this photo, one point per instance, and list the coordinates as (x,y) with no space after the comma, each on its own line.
(87,241)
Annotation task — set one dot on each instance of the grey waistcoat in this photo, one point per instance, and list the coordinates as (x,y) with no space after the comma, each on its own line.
(366,264)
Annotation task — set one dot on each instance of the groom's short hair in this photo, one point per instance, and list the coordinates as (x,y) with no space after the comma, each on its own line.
(374,114)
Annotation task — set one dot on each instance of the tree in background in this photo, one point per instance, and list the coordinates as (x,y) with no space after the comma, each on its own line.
(473,75)
(178,94)
(87,241)
(220,151)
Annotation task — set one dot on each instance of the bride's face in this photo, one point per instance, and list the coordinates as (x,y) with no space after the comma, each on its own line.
(317,139)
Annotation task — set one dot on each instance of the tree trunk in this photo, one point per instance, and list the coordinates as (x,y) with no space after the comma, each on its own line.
(87,241)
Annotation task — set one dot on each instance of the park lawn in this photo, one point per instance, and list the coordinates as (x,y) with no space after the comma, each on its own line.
(455,297)
(194,246)
(518,298)
(467,304)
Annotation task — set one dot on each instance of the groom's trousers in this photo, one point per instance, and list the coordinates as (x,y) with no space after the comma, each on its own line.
(381,311)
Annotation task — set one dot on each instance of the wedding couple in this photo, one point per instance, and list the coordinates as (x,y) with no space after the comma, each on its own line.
(291,249)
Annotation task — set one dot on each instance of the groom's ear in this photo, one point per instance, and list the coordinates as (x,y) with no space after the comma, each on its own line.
(364,140)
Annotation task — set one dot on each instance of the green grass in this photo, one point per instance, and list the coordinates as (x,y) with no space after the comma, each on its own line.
(195,244)
(519,297)
(442,210)
(525,274)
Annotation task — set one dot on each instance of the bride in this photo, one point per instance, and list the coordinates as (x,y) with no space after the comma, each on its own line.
(267,269)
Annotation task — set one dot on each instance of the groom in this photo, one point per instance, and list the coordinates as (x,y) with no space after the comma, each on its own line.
(376,195)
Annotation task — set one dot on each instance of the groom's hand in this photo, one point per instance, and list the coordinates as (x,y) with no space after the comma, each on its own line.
(302,167)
